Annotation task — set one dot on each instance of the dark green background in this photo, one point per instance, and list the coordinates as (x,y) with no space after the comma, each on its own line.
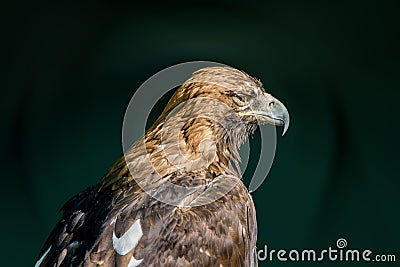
(71,69)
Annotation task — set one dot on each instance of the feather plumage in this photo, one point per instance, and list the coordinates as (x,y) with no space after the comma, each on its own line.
(193,231)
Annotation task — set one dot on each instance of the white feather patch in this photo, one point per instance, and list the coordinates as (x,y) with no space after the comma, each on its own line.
(129,240)
(134,262)
(42,258)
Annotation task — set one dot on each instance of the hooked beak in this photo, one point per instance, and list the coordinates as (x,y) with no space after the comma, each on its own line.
(272,111)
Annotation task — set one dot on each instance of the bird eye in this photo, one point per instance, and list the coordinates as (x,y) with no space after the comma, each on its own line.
(238,99)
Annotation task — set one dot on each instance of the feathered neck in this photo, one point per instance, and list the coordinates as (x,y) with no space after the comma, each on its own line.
(198,144)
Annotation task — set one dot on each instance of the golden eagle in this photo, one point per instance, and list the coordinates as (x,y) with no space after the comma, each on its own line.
(205,216)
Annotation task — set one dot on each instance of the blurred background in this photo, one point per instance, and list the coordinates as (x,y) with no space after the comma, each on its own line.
(70,70)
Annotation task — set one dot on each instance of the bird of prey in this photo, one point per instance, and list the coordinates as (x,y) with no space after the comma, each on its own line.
(176,198)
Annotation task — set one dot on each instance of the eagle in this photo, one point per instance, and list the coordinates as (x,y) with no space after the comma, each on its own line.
(176,197)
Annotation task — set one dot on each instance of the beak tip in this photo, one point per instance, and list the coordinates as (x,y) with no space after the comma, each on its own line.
(285,129)
(286,123)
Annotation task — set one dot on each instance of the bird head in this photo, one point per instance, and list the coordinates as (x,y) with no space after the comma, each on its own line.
(242,93)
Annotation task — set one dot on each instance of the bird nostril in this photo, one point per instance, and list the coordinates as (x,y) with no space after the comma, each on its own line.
(271,104)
